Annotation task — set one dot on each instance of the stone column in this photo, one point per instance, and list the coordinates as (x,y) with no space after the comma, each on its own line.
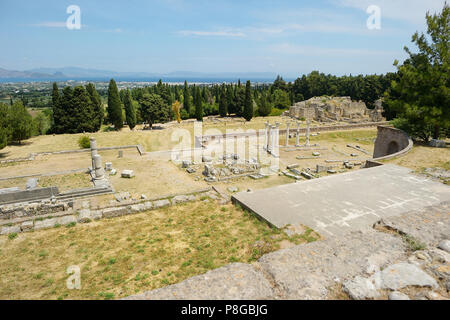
(297,144)
(94,150)
(269,138)
(287,134)
(265,136)
(99,171)
(308,123)
(277,135)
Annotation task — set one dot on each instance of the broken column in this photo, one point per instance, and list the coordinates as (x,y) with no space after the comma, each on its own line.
(287,134)
(98,167)
(94,150)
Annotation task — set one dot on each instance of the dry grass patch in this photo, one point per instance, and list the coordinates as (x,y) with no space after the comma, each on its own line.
(133,254)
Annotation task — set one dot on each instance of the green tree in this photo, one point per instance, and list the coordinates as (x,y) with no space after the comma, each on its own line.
(130,111)
(99,112)
(265,107)
(154,109)
(421,95)
(248,103)
(4,125)
(198,105)
(223,106)
(115,115)
(20,122)
(281,99)
(58,112)
(41,123)
(187,98)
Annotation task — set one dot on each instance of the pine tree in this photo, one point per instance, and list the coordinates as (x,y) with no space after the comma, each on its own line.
(115,116)
(130,111)
(248,104)
(264,106)
(421,95)
(198,105)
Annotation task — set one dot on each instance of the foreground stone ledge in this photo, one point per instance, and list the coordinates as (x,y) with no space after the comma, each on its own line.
(235,281)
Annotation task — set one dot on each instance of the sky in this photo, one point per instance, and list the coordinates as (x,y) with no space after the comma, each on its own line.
(161,36)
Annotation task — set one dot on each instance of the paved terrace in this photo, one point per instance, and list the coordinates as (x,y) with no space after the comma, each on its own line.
(351,201)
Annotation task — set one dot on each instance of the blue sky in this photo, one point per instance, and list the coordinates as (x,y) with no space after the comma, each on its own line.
(285,37)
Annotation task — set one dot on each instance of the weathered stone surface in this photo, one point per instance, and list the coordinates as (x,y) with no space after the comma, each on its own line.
(148,205)
(430,224)
(207,159)
(233,189)
(361,288)
(186,164)
(114,212)
(445,245)
(396,295)
(236,281)
(96,214)
(180,199)
(403,275)
(437,143)
(307,271)
(67,220)
(84,216)
(11,229)
(27,226)
(32,184)
(44,224)
(161,203)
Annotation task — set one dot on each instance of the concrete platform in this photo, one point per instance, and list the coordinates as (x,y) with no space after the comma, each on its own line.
(338,204)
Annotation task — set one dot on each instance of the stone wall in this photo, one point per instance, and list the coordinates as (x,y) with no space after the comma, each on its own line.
(390,143)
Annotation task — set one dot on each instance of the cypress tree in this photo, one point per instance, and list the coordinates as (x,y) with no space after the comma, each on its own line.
(248,104)
(223,103)
(57,111)
(4,126)
(96,101)
(130,111)
(82,116)
(115,116)
(198,105)
(187,98)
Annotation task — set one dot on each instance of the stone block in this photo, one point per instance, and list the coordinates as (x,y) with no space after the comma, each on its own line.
(84,216)
(161,203)
(32,184)
(114,212)
(437,143)
(128,174)
(108,166)
(27,225)
(180,199)
(11,229)
(67,220)
(45,224)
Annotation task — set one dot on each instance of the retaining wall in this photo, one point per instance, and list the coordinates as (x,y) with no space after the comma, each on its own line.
(390,143)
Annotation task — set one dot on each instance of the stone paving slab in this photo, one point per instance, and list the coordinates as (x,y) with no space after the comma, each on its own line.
(235,281)
(308,271)
(430,225)
(338,204)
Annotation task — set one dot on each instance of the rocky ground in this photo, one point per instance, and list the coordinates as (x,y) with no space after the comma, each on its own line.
(406,257)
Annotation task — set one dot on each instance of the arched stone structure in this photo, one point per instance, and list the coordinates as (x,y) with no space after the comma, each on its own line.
(391,142)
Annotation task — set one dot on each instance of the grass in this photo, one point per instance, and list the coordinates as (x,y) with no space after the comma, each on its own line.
(133,254)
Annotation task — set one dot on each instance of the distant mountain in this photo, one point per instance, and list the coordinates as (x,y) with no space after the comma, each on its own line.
(11,74)
(75,73)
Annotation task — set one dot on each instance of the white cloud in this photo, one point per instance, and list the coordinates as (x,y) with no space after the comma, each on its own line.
(211,33)
(292,49)
(51,24)
(412,11)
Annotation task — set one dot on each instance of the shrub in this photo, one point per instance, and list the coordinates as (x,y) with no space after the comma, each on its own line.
(12,236)
(84,142)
